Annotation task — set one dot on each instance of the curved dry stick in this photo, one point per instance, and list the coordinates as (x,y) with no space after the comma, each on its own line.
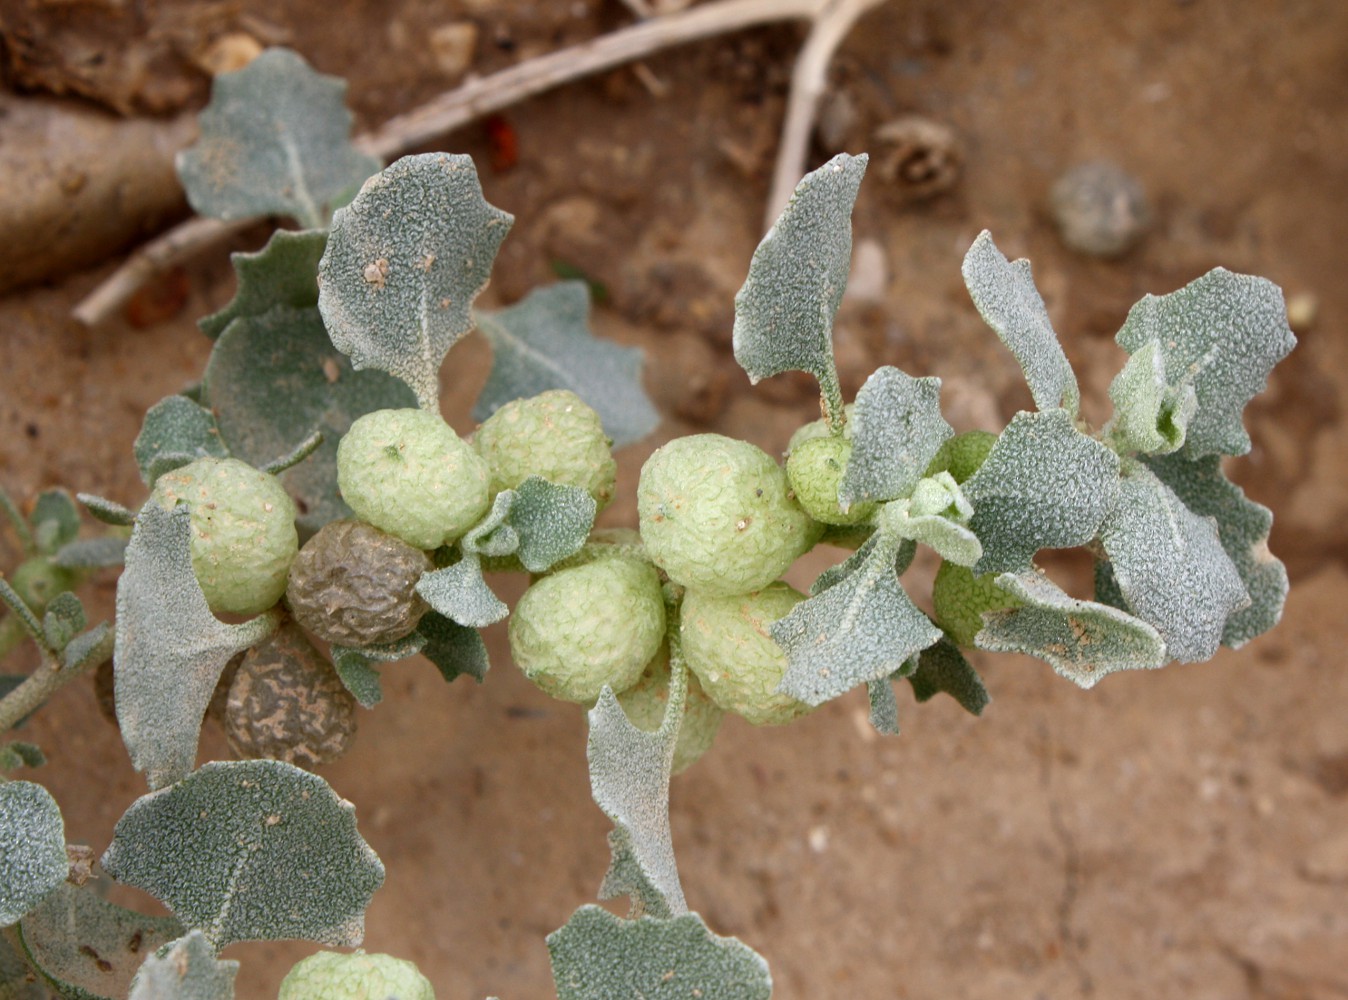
(473,100)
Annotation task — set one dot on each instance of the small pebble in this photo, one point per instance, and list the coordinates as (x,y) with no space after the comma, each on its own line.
(1100,209)
(1303,308)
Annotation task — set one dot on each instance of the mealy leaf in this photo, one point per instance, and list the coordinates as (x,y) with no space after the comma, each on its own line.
(21,611)
(32,848)
(1222,333)
(92,553)
(274,141)
(272,380)
(10,510)
(404,262)
(89,947)
(836,574)
(884,708)
(552,521)
(297,455)
(18,754)
(1170,566)
(64,620)
(176,431)
(936,515)
(629,779)
(455,649)
(170,650)
(250,850)
(283,273)
(1150,416)
(89,649)
(943,668)
(107,511)
(1082,640)
(784,313)
(862,628)
(1243,527)
(17,979)
(1044,485)
(897,429)
(55,520)
(458,591)
(544,342)
(355,667)
(1107,587)
(1004,293)
(188,970)
(598,956)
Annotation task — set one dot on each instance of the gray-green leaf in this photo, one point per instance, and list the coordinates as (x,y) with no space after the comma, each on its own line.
(1083,641)
(170,650)
(552,521)
(355,667)
(188,970)
(897,429)
(92,553)
(107,511)
(176,431)
(1004,293)
(32,848)
(89,947)
(283,273)
(936,515)
(404,262)
(1150,416)
(544,342)
(1170,566)
(943,668)
(273,380)
(598,956)
(454,649)
(1044,485)
(1223,333)
(274,141)
(55,520)
(884,713)
(63,621)
(784,313)
(252,850)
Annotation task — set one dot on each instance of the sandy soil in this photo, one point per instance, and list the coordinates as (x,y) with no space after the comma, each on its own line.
(1175,834)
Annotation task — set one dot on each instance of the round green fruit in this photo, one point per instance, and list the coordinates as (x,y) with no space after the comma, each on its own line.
(38,580)
(330,975)
(644,704)
(820,429)
(599,623)
(962,454)
(555,435)
(959,599)
(407,473)
(815,469)
(727,645)
(718,516)
(243,531)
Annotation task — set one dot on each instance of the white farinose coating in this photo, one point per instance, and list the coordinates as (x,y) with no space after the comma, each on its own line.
(645,701)
(555,435)
(717,515)
(727,644)
(595,624)
(243,531)
(330,975)
(406,472)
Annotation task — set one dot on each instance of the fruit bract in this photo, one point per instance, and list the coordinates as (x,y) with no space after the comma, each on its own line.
(581,628)
(555,435)
(959,599)
(644,704)
(407,473)
(815,469)
(330,975)
(727,644)
(717,515)
(243,531)
(355,585)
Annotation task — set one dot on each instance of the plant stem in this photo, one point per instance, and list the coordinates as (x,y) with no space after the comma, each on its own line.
(42,683)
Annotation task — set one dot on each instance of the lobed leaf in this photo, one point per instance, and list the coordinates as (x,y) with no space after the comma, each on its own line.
(176,431)
(283,273)
(1170,567)
(355,667)
(552,521)
(836,574)
(544,342)
(1005,296)
(943,668)
(784,313)
(403,264)
(88,947)
(1150,416)
(274,141)
(170,650)
(272,380)
(1222,334)
(598,956)
(55,520)
(936,515)
(897,429)
(1044,485)
(251,850)
(32,848)
(188,970)
(1243,527)
(455,649)
(1083,641)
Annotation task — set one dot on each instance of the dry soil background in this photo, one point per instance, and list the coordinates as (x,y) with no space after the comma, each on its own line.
(1176,834)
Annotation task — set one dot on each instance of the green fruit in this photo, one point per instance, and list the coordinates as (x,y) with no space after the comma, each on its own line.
(644,704)
(962,454)
(599,623)
(959,599)
(554,435)
(329,975)
(820,429)
(243,531)
(727,645)
(717,515)
(407,473)
(815,468)
(38,580)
